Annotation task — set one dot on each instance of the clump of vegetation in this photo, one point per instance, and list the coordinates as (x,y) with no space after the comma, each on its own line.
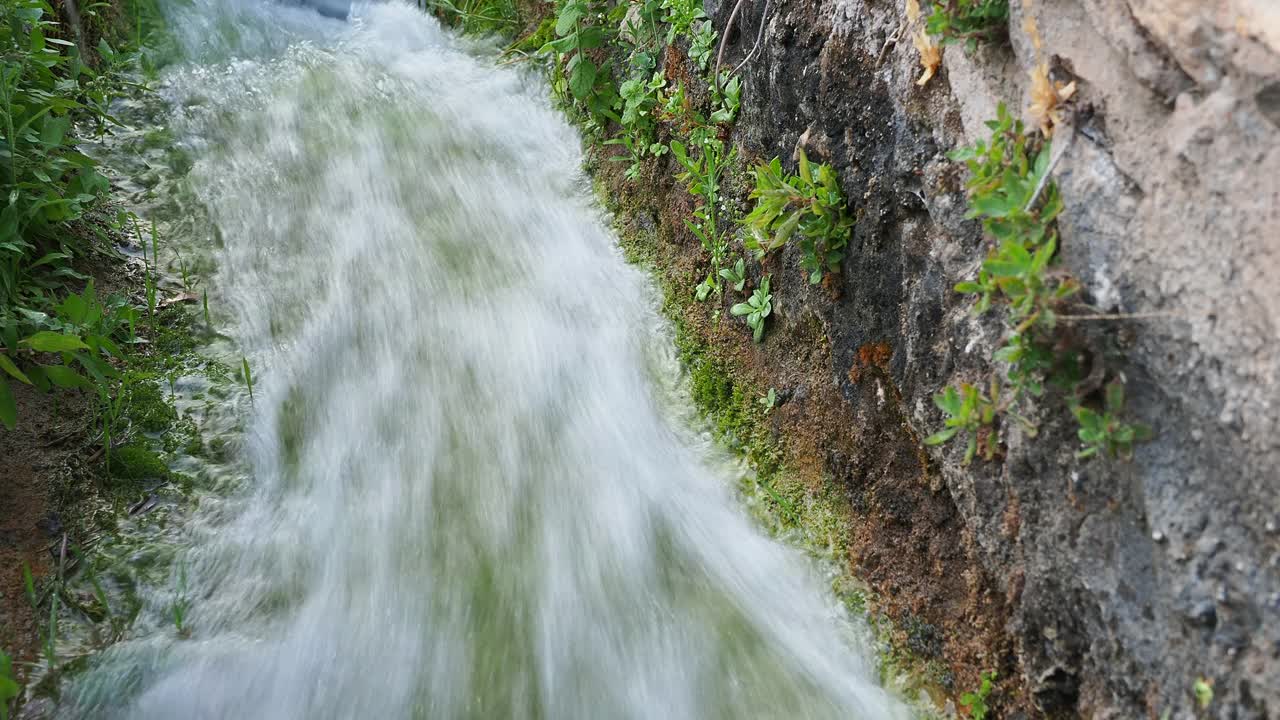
(479,17)
(971,411)
(1010,191)
(756,309)
(1106,431)
(976,700)
(8,685)
(703,172)
(809,204)
(580,29)
(968,21)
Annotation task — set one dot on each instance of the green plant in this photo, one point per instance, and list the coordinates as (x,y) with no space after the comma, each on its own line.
(768,400)
(703,45)
(1202,689)
(811,204)
(578,32)
(248,375)
(1105,431)
(680,15)
(703,172)
(47,90)
(639,96)
(1010,190)
(476,16)
(973,412)
(726,98)
(756,309)
(976,700)
(967,21)
(736,275)
(9,688)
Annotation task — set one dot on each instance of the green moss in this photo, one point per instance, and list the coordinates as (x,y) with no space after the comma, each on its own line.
(136,462)
(145,405)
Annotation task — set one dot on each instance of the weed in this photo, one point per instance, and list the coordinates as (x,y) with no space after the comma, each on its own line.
(976,701)
(973,412)
(1010,191)
(768,400)
(736,275)
(476,16)
(967,21)
(703,172)
(8,685)
(703,45)
(1105,431)
(248,375)
(1202,689)
(811,204)
(587,83)
(756,309)
(680,15)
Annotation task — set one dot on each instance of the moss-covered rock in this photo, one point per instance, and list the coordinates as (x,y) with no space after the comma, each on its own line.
(135,462)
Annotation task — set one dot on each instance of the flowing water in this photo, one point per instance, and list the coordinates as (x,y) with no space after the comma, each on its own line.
(476,491)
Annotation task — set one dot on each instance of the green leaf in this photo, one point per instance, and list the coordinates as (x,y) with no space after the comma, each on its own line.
(1115,397)
(940,437)
(8,366)
(48,341)
(64,377)
(569,17)
(740,309)
(582,79)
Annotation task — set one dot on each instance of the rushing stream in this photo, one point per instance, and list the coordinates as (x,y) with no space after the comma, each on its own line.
(476,492)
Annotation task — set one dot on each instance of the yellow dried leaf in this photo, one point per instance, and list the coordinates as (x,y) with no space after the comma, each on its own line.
(913,10)
(930,56)
(1047,99)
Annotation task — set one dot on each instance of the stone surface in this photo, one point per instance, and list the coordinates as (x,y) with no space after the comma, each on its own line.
(1125,581)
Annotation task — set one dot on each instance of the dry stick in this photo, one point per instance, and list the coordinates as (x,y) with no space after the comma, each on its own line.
(764,20)
(1053,163)
(724,38)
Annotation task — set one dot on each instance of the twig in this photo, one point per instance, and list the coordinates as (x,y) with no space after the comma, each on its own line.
(891,40)
(1048,172)
(724,38)
(764,20)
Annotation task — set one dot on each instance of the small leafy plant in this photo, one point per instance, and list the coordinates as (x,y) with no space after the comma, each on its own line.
(8,685)
(577,33)
(1106,432)
(967,21)
(973,412)
(756,309)
(703,172)
(736,275)
(810,204)
(768,401)
(976,700)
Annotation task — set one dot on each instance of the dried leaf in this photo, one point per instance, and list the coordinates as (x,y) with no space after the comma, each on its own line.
(930,56)
(913,10)
(1047,99)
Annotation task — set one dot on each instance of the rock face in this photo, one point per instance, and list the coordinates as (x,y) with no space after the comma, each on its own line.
(1118,584)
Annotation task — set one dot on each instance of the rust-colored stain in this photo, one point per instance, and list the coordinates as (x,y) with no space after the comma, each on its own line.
(871,355)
